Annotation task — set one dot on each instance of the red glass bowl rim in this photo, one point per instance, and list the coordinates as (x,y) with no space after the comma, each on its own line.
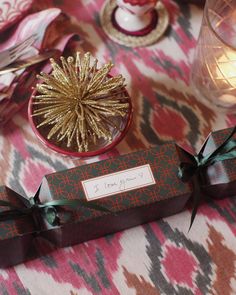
(80,154)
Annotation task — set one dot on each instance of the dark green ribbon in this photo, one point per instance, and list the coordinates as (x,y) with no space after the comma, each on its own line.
(194,169)
(48,210)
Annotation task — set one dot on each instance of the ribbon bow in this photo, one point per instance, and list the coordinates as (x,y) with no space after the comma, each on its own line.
(199,163)
(48,210)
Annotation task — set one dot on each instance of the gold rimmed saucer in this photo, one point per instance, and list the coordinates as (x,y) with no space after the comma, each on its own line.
(122,38)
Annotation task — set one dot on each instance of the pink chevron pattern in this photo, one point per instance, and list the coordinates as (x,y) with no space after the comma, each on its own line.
(157,258)
(11,11)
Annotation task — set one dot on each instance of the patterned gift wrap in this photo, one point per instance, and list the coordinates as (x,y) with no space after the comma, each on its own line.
(129,208)
(220,177)
(15,235)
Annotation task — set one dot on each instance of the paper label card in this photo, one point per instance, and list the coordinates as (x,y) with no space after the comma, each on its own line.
(118,182)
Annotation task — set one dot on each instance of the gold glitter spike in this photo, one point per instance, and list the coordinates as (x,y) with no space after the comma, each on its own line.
(65,69)
(75,126)
(77,60)
(85,65)
(103,96)
(99,77)
(94,67)
(58,72)
(56,88)
(77,99)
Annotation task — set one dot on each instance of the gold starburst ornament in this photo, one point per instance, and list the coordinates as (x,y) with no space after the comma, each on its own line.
(79,108)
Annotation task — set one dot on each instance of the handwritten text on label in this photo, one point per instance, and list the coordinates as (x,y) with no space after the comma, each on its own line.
(114,183)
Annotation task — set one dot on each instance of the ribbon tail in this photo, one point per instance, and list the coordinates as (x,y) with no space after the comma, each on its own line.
(196,200)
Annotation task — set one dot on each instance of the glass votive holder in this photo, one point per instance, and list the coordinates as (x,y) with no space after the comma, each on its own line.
(213,72)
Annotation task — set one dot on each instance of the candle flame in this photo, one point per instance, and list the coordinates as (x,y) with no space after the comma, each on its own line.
(226,68)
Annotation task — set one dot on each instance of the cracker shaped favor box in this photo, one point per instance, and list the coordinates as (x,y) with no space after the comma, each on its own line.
(135,188)
(93,200)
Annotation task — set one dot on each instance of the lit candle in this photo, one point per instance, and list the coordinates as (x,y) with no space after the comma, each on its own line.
(226,74)
(226,68)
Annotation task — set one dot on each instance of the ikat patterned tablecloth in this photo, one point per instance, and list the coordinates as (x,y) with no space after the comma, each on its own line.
(157,258)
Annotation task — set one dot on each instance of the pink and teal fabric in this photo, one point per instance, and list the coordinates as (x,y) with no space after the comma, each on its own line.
(160,258)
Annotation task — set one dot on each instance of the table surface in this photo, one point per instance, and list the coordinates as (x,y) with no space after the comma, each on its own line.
(161,257)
